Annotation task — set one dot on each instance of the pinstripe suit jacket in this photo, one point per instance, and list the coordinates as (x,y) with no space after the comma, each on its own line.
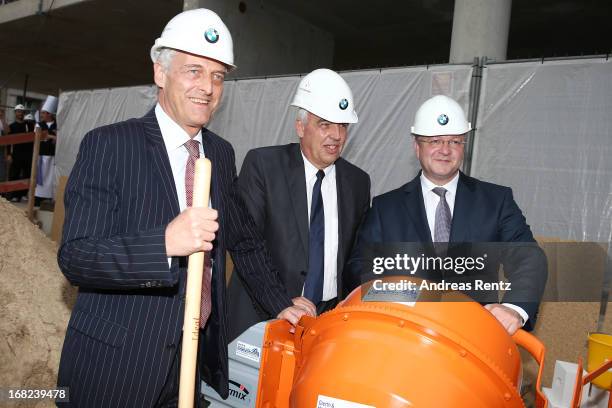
(126,325)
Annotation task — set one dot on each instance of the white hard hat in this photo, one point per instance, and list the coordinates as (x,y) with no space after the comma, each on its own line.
(440,116)
(20,107)
(324,93)
(50,105)
(200,32)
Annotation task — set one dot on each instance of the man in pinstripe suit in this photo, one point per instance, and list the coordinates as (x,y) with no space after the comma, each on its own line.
(128,231)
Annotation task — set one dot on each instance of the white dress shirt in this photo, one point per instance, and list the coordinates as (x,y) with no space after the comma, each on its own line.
(431,201)
(330,209)
(175,138)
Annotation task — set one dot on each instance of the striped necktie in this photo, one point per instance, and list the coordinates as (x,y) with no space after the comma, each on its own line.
(193,147)
(443,220)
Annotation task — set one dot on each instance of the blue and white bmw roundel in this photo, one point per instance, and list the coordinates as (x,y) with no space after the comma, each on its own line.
(211,35)
(442,119)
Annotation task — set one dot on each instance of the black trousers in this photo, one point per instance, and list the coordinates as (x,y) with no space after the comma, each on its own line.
(20,169)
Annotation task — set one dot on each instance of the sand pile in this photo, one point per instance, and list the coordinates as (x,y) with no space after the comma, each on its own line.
(35,302)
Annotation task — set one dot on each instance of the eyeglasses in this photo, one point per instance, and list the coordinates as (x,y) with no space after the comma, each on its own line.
(440,142)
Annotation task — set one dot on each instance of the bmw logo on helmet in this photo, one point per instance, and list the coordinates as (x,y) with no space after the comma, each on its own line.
(442,119)
(343,104)
(211,35)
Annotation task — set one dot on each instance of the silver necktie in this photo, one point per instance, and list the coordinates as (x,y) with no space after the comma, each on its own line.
(443,217)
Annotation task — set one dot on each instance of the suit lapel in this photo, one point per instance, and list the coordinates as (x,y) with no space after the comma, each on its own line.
(460,227)
(296,183)
(345,201)
(159,160)
(210,152)
(415,208)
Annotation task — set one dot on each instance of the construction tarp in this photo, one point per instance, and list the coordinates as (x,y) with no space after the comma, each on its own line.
(257,112)
(543,129)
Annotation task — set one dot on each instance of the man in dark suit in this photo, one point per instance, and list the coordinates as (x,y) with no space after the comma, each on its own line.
(443,205)
(280,187)
(129,228)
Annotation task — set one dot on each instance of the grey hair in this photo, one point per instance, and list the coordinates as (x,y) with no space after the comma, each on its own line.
(302,116)
(164,58)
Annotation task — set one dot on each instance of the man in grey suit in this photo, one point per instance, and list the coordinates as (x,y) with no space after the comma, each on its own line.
(306,201)
(130,226)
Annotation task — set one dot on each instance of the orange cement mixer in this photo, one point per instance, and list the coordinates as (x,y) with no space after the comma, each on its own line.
(444,350)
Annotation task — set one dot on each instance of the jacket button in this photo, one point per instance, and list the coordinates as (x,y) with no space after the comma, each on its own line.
(148,284)
(303,273)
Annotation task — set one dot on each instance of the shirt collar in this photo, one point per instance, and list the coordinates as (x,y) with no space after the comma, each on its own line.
(311,170)
(451,186)
(174,136)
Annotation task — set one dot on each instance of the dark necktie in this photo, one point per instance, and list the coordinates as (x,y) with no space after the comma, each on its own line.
(193,147)
(313,287)
(443,220)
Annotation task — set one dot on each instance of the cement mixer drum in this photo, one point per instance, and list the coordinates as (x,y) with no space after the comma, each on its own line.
(450,353)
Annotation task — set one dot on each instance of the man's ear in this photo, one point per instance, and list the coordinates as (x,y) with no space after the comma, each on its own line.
(415,146)
(159,75)
(299,128)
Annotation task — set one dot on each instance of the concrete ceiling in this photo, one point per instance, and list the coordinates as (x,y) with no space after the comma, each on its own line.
(92,44)
(105,43)
(416,32)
